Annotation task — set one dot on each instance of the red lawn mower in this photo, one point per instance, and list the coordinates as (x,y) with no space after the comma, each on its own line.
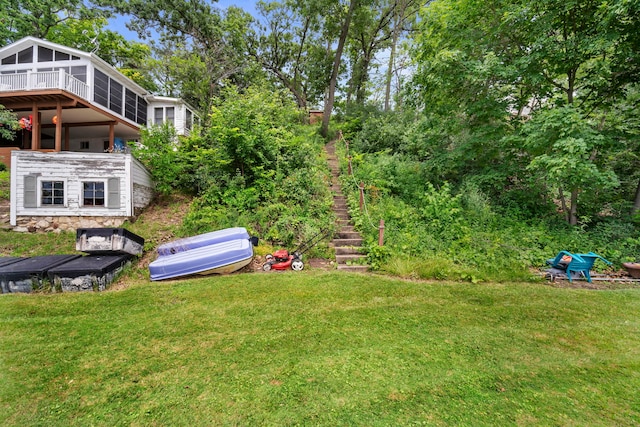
(283,260)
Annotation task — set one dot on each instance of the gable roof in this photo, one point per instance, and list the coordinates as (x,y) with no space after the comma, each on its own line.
(29,41)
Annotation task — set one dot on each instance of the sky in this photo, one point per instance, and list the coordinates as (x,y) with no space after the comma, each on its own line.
(118,24)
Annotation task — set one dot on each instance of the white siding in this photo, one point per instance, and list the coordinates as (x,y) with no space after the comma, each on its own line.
(74,169)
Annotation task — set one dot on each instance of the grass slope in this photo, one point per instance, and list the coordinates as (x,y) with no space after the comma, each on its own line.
(320,348)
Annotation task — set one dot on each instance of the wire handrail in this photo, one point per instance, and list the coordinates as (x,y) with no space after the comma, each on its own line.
(364,202)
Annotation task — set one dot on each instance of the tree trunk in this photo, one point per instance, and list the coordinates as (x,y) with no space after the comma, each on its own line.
(636,202)
(573,214)
(324,131)
(392,56)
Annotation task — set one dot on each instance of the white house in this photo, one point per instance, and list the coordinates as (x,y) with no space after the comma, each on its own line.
(69,163)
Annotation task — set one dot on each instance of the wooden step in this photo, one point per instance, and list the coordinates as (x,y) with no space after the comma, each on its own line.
(348,235)
(348,250)
(343,259)
(346,242)
(353,268)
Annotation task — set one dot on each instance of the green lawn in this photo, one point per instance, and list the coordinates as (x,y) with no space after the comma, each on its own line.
(320,349)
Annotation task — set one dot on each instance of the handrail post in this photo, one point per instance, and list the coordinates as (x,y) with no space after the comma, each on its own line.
(381,233)
(361,196)
(350,169)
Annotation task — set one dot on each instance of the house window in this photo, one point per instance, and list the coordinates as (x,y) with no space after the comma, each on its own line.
(101,88)
(45,54)
(25,56)
(115,96)
(158,116)
(189,123)
(7,60)
(79,72)
(84,145)
(61,56)
(164,114)
(52,193)
(170,115)
(93,193)
(130,103)
(142,111)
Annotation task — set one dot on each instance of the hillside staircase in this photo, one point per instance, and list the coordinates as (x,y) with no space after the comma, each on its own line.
(347,242)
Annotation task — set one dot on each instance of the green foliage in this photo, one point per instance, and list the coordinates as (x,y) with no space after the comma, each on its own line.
(562,144)
(322,349)
(460,233)
(5,185)
(8,123)
(23,18)
(159,152)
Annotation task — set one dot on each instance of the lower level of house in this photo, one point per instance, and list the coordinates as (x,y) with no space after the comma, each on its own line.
(66,190)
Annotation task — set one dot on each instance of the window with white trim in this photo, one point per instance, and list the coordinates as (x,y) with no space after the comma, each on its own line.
(163,115)
(93,193)
(52,193)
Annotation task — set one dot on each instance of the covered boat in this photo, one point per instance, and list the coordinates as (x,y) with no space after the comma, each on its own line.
(206,239)
(223,257)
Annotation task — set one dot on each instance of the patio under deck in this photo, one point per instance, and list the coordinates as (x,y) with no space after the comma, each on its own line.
(58,101)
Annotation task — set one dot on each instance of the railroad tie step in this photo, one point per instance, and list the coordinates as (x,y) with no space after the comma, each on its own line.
(355,268)
(347,242)
(348,235)
(343,259)
(348,250)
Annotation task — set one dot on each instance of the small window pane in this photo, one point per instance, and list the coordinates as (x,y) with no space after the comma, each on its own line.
(142,111)
(45,54)
(52,193)
(170,115)
(115,97)
(61,56)
(130,100)
(11,59)
(101,88)
(80,73)
(158,116)
(25,56)
(93,194)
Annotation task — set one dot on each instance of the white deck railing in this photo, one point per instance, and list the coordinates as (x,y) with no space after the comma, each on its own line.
(44,80)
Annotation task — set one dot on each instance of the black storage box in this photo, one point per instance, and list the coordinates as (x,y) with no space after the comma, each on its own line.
(30,273)
(108,241)
(88,273)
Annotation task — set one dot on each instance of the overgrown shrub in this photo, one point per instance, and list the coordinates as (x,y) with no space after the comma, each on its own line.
(442,232)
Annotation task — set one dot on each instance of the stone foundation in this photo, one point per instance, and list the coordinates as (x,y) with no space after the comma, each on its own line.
(65,223)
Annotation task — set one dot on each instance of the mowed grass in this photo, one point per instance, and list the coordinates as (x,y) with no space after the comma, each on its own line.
(320,349)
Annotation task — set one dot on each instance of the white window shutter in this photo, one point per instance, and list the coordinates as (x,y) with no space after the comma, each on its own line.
(30,191)
(113,196)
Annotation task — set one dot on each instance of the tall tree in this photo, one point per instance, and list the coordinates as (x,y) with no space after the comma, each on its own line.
(216,36)
(21,18)
(288,44)
(508,60)
(344,31)
(369,35)
(404,16)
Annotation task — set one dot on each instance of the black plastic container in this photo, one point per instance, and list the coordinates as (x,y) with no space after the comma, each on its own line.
(108,241)
(31,273)
(88,273)
(6,260)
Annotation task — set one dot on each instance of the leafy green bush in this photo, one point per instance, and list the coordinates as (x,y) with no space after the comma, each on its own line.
(442,233)
(5,189)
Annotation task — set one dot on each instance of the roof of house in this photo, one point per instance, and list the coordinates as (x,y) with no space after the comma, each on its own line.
(28,41)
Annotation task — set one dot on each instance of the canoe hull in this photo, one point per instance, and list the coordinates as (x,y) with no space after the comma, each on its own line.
(206,239)
(220,258)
